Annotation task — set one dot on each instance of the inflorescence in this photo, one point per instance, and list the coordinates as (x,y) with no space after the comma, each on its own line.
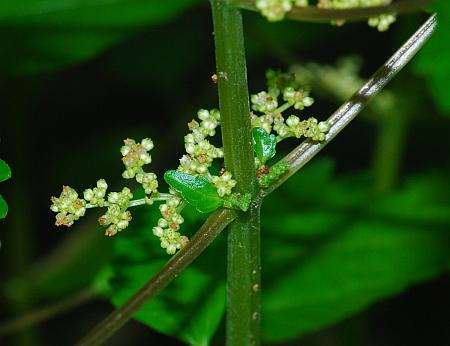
(275,10)
(286,87)
(197,161)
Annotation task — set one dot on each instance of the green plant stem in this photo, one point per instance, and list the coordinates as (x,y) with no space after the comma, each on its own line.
(315,14)
(39,315)
(303,153)
(135,202)
(388,151)
(297,159)
(243,258)
(282,108)
(204,236)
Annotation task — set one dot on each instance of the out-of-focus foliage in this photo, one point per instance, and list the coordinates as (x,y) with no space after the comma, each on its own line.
(433,60)
(330,249)
(5,173)
(44,35)
(191,307)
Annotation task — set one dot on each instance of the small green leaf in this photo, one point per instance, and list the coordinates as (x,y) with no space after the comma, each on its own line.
(5,171)
(196,190)
(263,144)
(3,208)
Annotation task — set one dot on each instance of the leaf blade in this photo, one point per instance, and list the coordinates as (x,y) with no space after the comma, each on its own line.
(5,171)
(196,190)
(3,208)
(264,144)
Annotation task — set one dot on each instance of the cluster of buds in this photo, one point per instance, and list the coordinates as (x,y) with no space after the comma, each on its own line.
(117,217)
(224,184)
(96,196)
(200,153)
(264,102)
(169,225)
(135,156)
(275,172)
(381,22)
(293,127)
(148,181)
(68,206)
(286,86)
(275,10)
(297,98)
(346,4)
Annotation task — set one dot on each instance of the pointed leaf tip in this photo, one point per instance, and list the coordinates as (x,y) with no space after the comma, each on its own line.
(198,191)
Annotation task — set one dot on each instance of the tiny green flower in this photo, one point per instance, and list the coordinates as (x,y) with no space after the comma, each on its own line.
(96,196)
(224,183)
(264,102)
(68,206)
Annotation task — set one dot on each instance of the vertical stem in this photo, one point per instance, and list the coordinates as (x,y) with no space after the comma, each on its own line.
(243,273)
(388,151)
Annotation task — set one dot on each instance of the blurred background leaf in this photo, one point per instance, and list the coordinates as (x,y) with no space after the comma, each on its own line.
(5,173)
(432,61)
(39,36)
(331,248)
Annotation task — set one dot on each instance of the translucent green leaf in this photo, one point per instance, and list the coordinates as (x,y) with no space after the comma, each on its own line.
(330,250)
(336,249)
(193,305)
(433,60)
(263,144)
(3,208)
(5,171)
(190,309)
(39,36)
(198,191)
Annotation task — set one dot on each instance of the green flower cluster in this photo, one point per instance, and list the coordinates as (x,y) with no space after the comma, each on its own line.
(289,89)
(135,156)
(96,196)
(196,163)
(224,184)
(293,127)
(169,224)
(68,206)
(275,10)
(200,153)
(381,22)
(117,216)
(275,172)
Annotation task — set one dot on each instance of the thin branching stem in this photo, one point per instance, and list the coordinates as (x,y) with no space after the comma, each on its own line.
(297,159)
(315,14)
(303,153)
(41,314)
(204,236)
(136,202)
